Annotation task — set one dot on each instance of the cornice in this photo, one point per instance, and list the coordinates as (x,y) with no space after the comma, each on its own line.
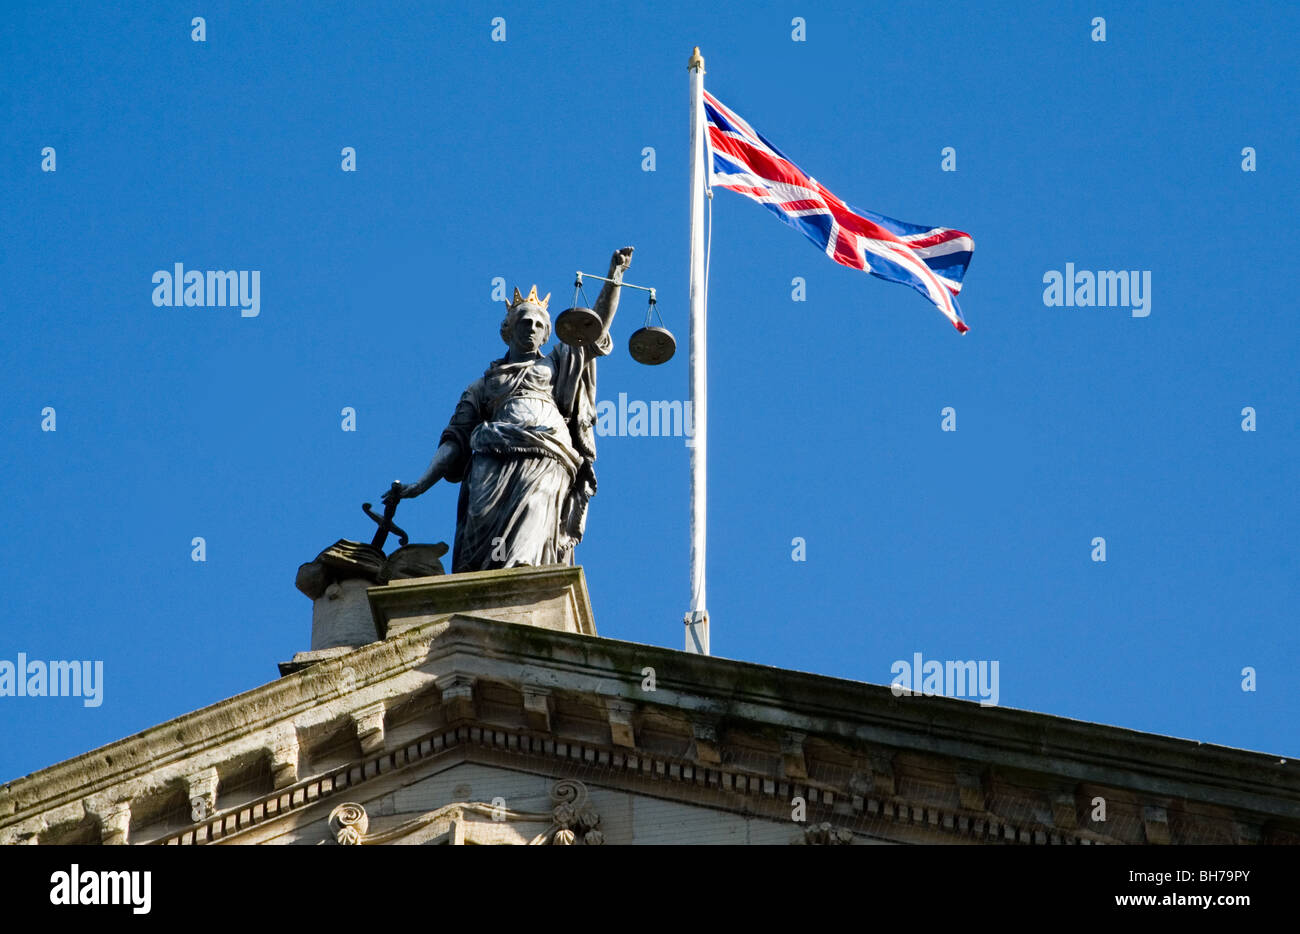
(736,791)
(707,691)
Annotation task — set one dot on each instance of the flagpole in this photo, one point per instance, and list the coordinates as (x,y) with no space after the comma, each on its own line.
(697,620)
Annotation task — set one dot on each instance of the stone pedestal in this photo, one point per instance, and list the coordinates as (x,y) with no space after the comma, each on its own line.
(341,616)
(550,597)
(336,582)
(356,612)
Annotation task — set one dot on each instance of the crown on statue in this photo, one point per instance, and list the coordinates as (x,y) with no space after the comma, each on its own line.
(530,298)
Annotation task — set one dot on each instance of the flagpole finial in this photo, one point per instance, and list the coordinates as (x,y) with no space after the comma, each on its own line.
(697,60)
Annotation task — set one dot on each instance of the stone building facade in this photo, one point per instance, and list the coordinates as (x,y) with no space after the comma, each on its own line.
(487,710)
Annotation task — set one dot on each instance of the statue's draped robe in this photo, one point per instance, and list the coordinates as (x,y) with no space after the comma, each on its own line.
(526,447)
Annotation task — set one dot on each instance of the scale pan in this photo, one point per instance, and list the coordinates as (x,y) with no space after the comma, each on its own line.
(652,346)
(578,327)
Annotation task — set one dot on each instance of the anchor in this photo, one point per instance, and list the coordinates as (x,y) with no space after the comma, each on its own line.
(385,522)
(345,560)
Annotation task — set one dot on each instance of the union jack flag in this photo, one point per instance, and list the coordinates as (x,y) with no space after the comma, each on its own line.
(931,260)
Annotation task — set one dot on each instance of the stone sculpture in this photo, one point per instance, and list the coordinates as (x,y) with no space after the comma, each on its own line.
(521,441)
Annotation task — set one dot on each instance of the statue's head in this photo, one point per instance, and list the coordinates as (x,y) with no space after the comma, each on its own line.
(527,324)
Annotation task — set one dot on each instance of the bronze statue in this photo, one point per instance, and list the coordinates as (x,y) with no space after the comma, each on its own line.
(521,441)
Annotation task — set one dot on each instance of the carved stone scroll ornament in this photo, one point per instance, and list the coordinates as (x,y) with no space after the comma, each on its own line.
(349,823)
(572,821)
(574,815)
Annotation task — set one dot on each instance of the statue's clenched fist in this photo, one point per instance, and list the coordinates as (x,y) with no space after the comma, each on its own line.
(619,262)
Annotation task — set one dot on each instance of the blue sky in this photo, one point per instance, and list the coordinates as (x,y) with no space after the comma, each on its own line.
(523,159)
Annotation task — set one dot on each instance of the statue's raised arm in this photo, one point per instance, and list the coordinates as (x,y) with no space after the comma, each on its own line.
(607,300)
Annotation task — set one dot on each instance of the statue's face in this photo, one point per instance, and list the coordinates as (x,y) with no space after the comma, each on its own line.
(532,328)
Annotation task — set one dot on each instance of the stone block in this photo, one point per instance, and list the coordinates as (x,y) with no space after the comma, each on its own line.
(341,616)
(552,597)
(537,708)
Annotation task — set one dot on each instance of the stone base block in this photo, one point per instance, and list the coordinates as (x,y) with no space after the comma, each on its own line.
(341,616)
(551,597)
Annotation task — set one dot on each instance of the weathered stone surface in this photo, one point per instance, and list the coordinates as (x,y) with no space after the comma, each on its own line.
(341,616)
(553,597)
(446,716)
(537,708)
